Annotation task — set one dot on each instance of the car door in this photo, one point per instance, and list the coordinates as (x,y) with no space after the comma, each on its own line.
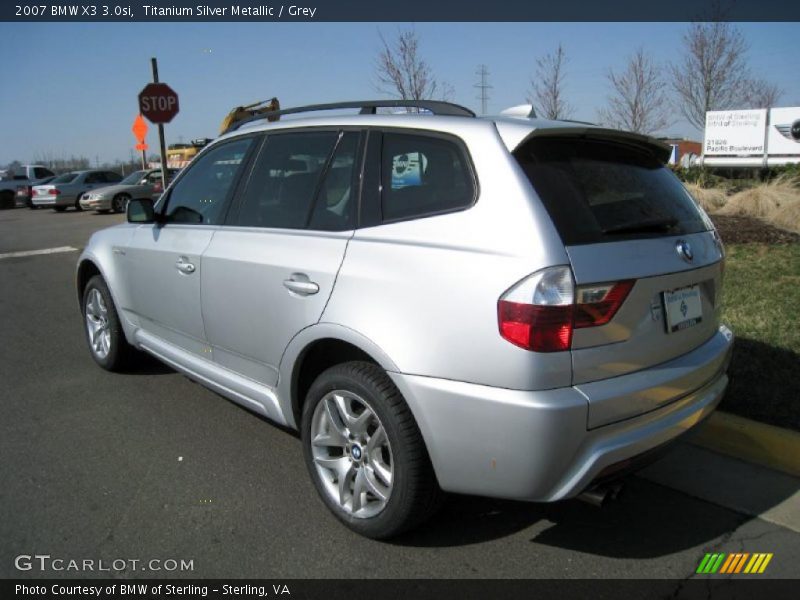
(269,272)
(163,264)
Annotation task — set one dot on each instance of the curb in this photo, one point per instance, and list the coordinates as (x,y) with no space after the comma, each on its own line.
(755,442)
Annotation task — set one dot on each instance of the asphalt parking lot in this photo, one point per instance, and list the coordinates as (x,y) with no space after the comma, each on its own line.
(148,465)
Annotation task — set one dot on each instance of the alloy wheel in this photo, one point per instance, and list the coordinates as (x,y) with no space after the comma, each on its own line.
(352,454)
(97,324)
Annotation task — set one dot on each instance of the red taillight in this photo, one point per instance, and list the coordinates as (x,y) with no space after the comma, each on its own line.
(541,312)
(54,192)
(596,305)
(537,328)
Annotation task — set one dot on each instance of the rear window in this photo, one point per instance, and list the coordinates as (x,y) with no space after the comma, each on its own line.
(65,178)
(603,191)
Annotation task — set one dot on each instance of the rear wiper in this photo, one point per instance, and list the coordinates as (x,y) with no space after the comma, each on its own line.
(642,226)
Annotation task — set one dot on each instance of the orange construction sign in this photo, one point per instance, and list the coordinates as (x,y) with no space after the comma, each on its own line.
(139,130)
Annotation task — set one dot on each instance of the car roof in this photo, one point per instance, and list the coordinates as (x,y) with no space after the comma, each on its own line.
(512,129)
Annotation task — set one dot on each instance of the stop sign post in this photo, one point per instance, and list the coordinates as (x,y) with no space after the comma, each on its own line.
(159,104)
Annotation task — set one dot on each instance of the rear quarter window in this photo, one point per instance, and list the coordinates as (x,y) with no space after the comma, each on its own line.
(423,175)
(602,191)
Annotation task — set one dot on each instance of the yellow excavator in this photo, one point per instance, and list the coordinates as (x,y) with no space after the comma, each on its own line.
(241,113)
(179,155)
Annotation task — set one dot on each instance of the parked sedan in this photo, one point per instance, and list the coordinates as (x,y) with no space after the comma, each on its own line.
(65,190)
(25,192)
(137,185)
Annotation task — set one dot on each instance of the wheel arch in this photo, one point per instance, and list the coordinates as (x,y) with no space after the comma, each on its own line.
(314,350)
(90,265)
(86,270)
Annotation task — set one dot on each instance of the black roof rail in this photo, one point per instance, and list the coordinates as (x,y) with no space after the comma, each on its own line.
(368,107)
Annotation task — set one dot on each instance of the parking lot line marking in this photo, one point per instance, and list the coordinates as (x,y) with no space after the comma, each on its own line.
(38,252)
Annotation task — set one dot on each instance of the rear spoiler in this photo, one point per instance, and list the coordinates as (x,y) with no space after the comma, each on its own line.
(658,149)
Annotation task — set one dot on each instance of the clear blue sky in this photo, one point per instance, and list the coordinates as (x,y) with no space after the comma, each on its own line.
(72,88)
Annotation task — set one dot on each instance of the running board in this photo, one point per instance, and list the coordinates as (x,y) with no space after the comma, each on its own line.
(246,392)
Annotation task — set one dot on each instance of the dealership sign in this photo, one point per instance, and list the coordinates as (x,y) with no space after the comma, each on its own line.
(762,137)
(735,132)
(784,131)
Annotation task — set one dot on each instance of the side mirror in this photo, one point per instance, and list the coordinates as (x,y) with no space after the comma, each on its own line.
(141,211)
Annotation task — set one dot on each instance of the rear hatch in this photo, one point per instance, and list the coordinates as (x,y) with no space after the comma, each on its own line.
(631,231)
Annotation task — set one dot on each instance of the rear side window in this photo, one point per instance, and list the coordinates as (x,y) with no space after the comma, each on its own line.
(603,191)
(41,173)
(334,208)
(423,175)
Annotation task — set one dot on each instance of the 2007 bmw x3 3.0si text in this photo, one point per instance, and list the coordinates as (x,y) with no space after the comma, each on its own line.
(501,306)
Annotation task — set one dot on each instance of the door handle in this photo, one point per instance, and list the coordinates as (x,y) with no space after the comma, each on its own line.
(184,266)
(300,284)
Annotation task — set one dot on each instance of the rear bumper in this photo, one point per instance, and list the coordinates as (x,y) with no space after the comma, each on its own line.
(535,445)
(52,201)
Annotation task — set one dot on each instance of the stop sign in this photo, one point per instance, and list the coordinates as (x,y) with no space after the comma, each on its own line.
(158,102)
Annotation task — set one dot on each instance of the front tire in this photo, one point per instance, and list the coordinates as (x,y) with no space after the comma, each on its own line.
(365,453)
(103,329)
(119,203)
(77,204)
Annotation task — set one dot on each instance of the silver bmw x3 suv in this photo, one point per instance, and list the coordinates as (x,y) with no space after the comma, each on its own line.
(506,306)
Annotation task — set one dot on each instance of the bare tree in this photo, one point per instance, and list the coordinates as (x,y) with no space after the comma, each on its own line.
(404,74)
(547,86)
(637,101)
(758,93)
(713,72)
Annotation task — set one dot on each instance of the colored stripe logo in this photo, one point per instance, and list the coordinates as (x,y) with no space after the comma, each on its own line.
(732,564)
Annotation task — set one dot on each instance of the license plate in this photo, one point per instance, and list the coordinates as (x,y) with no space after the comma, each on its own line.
(683,308)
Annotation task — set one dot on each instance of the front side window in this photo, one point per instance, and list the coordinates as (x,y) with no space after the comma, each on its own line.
(200,195)
(423,175)
(285,179)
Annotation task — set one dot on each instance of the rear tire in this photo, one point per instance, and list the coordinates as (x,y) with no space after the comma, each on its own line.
(365,453)
(103,329)
(77,204)
(7,200)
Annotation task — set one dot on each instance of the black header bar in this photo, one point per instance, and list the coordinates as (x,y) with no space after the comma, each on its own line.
(398,11)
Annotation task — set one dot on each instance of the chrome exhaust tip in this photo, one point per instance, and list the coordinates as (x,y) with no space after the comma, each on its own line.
(601,495)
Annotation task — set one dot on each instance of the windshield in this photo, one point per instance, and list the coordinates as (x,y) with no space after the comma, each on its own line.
(602,190)
(133,178)
(65,178)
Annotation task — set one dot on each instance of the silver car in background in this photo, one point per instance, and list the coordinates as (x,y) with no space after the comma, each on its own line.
(139,184)
(500,306)
(66,190)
